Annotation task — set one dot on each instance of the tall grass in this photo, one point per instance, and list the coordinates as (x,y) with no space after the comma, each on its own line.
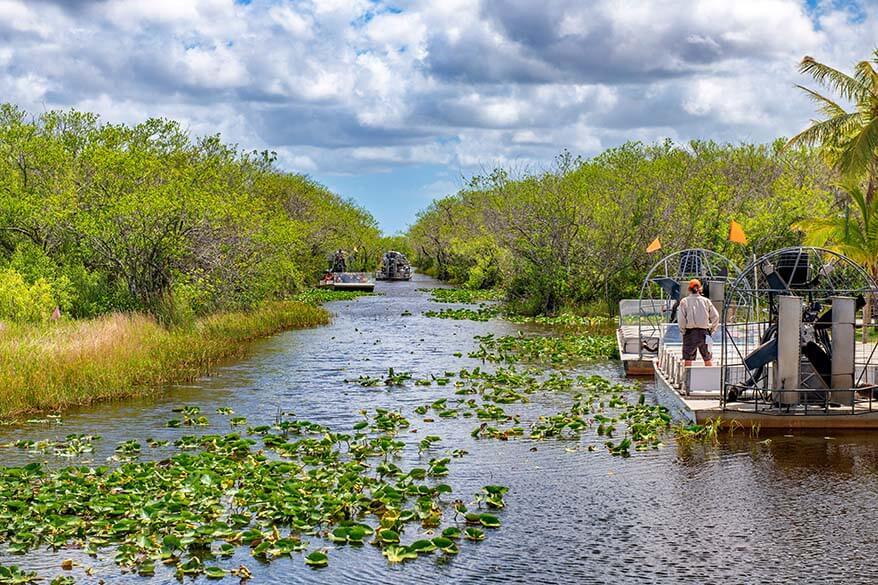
(55,366)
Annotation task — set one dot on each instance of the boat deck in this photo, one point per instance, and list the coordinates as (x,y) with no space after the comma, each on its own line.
(635,362)
(701,408)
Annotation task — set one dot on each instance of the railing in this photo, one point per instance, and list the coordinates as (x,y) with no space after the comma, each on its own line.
(807,401)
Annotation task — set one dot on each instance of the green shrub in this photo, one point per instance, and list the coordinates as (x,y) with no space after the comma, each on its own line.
(20,301)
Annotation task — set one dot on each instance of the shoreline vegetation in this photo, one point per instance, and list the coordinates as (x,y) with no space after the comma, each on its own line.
(133,256)
(572,238)
(54,366)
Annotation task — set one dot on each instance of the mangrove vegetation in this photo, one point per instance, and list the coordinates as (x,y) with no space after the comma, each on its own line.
(574,235)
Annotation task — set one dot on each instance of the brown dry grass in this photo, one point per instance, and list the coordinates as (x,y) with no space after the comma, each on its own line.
(55,366)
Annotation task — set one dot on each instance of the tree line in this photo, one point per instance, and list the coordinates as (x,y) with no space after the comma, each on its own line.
(575,235)
(98,217)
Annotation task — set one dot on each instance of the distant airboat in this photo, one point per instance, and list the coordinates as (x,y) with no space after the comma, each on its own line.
(338,278)
(394,266)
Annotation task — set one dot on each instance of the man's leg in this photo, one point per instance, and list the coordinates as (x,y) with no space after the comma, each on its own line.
(689,350)
(704,349)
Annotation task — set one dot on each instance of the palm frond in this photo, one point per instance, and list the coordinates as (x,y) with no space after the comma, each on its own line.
(820,232)
(860,149)
(826,106)
(867,77)
(854,234)
(846,86)
(831,132)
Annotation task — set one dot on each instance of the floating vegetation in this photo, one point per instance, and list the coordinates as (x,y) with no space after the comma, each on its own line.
(297,485)
(70,446)
(365,381)
(555,350)
(462,295)
(192,417)
(595,324)
(319,296)
(13,574)
(598,405)
(483,313)
(393,378)
(700,433)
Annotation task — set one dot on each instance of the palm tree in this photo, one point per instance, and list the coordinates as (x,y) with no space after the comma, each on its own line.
(853,233)
(849,139)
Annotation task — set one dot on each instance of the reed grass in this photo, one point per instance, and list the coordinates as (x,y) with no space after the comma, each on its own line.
(55,366)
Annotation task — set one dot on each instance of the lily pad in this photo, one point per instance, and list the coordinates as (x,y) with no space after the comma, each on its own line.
(446,545)
(399,554)
(317,559)
(489,521)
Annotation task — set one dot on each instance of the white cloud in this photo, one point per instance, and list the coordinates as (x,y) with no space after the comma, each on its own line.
(353,85)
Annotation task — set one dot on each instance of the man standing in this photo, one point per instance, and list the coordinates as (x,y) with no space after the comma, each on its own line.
(698,318)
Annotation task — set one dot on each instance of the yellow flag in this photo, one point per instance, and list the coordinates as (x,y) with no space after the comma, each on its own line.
(655,245)
(736,233)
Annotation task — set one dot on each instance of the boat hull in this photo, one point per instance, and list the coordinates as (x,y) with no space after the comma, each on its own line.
(358,286)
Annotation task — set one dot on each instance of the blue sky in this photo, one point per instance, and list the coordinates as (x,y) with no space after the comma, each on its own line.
(395,103)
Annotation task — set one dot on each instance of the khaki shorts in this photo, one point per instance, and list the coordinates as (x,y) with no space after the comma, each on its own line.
(694,342)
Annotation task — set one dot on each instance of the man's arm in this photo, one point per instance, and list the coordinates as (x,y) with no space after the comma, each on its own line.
(681,316)
(714,318)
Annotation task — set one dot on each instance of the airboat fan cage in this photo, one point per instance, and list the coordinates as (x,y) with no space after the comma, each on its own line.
(654,312)
(795,334)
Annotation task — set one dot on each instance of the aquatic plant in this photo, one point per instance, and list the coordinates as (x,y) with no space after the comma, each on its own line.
(219,492)
(554,350)
(462,295)
(483,313)
(395,378)
(593,323)
(71,446)
(13,574)
(701,433)
(320,296)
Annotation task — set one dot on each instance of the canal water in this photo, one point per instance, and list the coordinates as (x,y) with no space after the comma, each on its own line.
(774,509)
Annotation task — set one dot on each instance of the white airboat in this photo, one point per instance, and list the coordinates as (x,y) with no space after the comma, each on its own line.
(793,350)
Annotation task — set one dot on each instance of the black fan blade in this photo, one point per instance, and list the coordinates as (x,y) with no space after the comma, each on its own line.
(775,282)
(670,286)
(762,355)
(820,360)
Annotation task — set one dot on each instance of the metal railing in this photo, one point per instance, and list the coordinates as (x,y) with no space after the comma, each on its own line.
(806,401)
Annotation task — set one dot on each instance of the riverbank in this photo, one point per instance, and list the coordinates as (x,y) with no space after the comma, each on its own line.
(47,368)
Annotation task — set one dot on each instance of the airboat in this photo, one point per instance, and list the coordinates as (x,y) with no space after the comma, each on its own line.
(394,266)
(354,281)
(796,347)
(648,323)
(338,278)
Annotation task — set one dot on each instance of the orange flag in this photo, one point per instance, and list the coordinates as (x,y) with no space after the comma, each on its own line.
(736,233)
(655,245)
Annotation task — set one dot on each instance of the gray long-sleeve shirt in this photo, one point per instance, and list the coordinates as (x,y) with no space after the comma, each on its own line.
(697,312)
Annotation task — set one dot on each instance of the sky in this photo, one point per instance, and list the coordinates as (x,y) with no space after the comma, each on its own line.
(396,103)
